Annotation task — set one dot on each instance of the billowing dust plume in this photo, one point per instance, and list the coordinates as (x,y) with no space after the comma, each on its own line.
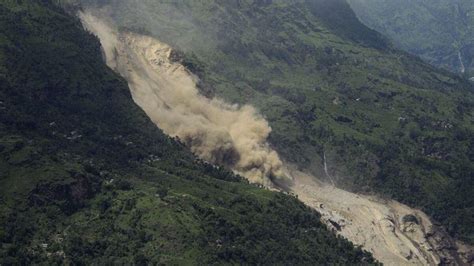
(214,130)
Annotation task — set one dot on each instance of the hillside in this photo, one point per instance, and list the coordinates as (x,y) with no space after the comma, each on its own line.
(439,31)
(87,178)
(334,92)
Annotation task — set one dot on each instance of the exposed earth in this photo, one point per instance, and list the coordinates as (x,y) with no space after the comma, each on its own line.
(395,233)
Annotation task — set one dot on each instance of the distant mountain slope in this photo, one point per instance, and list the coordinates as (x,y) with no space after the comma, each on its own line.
(439,31)
(331,88)
(86,178)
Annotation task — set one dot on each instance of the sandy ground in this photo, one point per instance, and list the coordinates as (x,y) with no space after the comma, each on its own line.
(395,233)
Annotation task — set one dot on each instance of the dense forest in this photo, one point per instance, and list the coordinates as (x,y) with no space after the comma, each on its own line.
(387,122)
(86,178)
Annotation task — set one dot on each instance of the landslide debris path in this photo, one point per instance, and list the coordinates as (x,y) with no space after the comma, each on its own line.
(393,232)
(218,132)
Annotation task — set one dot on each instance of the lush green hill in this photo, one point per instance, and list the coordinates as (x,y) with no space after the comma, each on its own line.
(440,31)
(386,121)
(86,178)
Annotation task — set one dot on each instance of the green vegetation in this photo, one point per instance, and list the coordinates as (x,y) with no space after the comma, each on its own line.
(386,121)
(86,178)
(439,31)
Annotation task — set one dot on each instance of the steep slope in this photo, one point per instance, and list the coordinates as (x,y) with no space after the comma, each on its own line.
(165,89)
(439,31)
(87,178)
(335,93)
(217,132)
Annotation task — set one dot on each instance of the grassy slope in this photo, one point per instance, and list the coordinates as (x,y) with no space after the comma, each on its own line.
(436,30)
(87,178)
(387,121)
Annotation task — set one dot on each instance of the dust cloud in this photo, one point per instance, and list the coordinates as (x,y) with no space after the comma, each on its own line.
(230,135)
(236,136)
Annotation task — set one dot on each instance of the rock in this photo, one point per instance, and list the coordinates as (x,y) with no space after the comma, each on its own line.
(410,256)
(410,218)
(337,226)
